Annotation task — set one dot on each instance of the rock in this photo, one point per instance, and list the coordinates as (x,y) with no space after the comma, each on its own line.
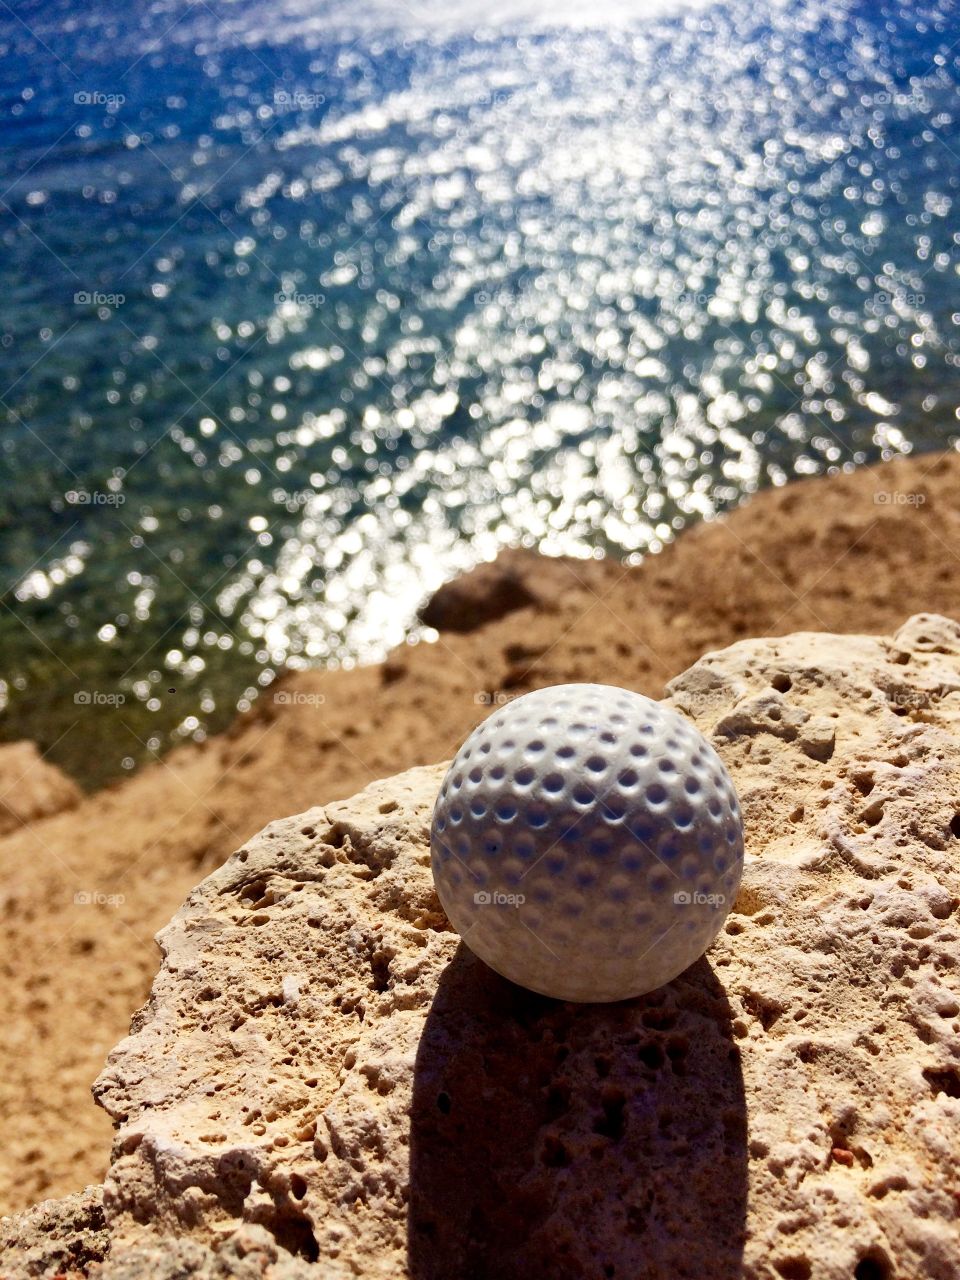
(55,1237)
(844,942)
(67,1239)
(325,1081)
(322,1057)
(31,787)
(514,580)
(74,972)
(249,1253)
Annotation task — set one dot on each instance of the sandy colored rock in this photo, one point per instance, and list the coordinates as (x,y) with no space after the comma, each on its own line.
(322,1059)
(515,580)
(842,951)
(67,1239)
(31,787)
(55,1237)
(85,890)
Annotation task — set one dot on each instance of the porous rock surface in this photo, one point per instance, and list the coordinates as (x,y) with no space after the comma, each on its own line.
(55,1237)
(326,1082)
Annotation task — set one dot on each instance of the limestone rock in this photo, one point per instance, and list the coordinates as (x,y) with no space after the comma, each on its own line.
(55,1237)
(325,1081)
(322,1056)
(515,579)
(31,787)
(843,949)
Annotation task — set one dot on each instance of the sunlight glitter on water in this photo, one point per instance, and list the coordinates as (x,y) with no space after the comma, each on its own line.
(632,241)
(401,287)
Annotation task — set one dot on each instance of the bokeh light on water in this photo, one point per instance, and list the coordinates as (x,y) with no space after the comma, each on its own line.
(305,309)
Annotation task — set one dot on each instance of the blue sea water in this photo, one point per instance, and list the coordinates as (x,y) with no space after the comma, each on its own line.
(306,306)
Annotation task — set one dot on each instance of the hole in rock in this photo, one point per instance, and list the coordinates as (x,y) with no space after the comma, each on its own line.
(871,1267)
(555,1154)
(794,1269)
(873,813)
(296,1236)
(943,1080)
(651,1055)
(612,1123)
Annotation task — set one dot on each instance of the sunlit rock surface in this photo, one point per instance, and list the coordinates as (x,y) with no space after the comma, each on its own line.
(325,1081)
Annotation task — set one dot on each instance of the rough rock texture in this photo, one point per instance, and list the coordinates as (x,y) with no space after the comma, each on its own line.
(841,956)
(55,1237)
(84,892)
(68,1239)
(31,787)
(514,580)
(313,994)
(324,1075)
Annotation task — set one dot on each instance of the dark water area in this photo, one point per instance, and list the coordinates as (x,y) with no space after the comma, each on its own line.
(305,307)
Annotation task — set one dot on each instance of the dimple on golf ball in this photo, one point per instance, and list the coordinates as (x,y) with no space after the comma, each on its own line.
(587,842)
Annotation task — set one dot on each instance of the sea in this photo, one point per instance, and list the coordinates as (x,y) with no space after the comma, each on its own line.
(307,306)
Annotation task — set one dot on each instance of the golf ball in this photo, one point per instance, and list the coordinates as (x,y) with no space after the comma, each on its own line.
(587,842)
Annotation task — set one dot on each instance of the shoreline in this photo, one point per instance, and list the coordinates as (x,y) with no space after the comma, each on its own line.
(855,553)
(70,724)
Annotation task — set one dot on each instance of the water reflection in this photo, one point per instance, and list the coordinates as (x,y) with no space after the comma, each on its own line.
(312,309)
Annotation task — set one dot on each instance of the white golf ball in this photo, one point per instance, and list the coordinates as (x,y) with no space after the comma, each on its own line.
(587,842)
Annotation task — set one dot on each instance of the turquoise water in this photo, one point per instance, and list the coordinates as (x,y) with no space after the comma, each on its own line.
(305,307)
